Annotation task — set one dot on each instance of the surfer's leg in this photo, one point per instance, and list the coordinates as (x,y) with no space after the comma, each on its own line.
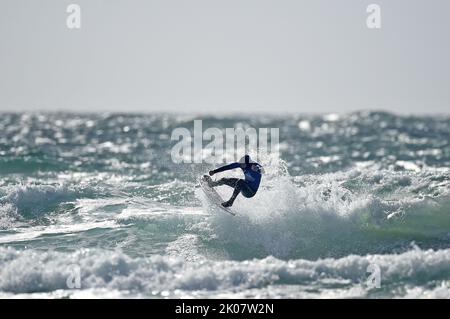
(224,181)
(236,183)
(239,184)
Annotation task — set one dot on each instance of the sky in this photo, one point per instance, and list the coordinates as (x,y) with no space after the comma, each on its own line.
(227,56)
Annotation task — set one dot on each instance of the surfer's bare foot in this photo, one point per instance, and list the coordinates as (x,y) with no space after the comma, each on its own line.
(227,204)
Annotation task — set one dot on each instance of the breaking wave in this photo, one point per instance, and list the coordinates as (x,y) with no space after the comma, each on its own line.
(354,212)
(158,276)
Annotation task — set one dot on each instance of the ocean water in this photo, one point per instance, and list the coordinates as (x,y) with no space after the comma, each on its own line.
(96,197)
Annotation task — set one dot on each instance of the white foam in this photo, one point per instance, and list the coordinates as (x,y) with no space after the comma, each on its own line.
(421,273)
(30,233)
(326,215)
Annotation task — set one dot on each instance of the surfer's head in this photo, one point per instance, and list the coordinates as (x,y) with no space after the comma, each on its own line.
(245,160)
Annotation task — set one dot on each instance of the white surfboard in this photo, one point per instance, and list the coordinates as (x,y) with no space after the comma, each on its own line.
(214,196)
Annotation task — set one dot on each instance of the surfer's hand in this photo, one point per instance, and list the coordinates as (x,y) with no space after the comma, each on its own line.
(211,173)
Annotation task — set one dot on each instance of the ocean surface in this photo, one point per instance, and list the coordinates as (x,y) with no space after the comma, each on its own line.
(92,206)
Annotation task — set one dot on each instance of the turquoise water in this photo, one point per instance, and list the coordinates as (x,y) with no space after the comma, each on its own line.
(100,192)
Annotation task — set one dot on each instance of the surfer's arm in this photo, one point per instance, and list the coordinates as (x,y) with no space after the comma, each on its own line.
(224,168)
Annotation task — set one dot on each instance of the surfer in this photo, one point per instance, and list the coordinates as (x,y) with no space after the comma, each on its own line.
(248,186)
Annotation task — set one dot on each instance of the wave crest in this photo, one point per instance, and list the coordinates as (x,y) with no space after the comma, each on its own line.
(33,271)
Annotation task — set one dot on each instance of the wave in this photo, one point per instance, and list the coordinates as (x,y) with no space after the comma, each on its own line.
(34,197)
(31,233)
(418,272)
(30,203)
(365,210)
(313,216)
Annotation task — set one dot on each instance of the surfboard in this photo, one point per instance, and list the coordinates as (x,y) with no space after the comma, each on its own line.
(214,196)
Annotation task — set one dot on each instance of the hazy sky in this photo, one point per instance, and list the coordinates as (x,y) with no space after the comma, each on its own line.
(225,55)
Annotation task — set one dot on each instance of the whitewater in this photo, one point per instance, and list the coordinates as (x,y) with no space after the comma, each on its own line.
(99,194)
